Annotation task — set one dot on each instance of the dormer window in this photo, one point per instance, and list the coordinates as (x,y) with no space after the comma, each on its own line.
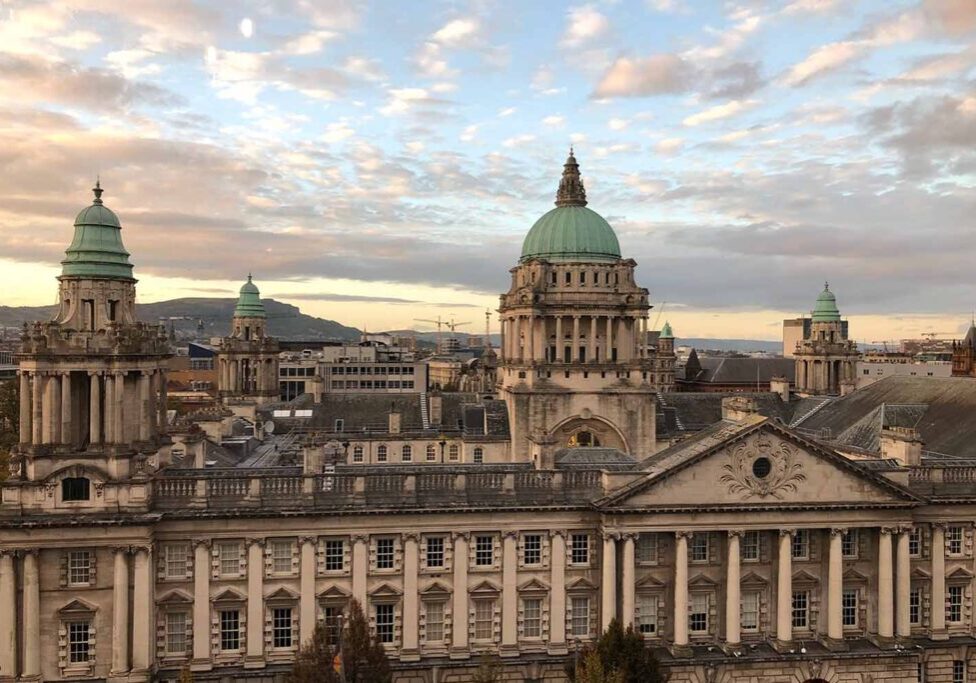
(75,488)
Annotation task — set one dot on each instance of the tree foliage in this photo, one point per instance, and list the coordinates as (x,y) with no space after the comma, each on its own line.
(313,663)
(9,421)
(620,652)
(363,659)
(489,671)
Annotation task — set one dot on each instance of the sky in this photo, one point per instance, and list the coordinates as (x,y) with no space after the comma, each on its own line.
(379,162)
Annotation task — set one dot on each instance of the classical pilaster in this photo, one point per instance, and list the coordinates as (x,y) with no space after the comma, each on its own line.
(306,608)
(32,617)
(411,596)
(119,408)
(37,408)
(627,579)
(938,619)
(255,604)
(142,610)
(54,408)
(8,609)
(509,594)
(560,343)
(120,612)
(608,582)
(143,406)
(784,588)
(591,341)
(201,605)
(903,575)
(532,338)
(557,592)
(885,586)
(360,568)
(608,354)
(681,590)
(25,407)
(835,587)
(108,416)
(67,424)
(162,402)
(459,643)
(576,339)
(733,598)
(94,409)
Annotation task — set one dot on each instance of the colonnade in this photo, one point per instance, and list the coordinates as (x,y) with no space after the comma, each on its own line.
(593,338)
(246,375)
(823,375)
(49,413)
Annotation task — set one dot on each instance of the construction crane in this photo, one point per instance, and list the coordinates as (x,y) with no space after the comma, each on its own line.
(884,344)
(449,324)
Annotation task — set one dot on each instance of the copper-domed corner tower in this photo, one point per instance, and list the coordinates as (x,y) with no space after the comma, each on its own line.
(826,360)
(248,358)
(93,379)
(576,368)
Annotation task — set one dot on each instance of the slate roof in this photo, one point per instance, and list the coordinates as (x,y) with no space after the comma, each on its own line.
(940,408)
(594,458)
(745,371)
(681,412)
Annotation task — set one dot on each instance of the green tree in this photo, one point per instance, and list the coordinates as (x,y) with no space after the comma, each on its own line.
(9,422)
(363,657)
(314,661)
(620,651)
(489,671)
(592,670)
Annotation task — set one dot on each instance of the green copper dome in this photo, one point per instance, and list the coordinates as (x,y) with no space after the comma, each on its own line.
(571,232)
(97,250)
(826,309)
(249,303)
(666,332)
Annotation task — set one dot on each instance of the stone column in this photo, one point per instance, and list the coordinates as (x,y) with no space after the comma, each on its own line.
(8,608)
(306,608)
(530,341)
(835,586)
(119,412)
(938,618)
(509,594)
(162,402)
(25,407)
(108,415)
(576,339)
(201,605)
(591,342)
(120,613)
(557,592)
(885,586)
(32,617)
(609,340)
(560,344)
(54,408)
(255,603)
(94,409)
(459,643)
(411,597)
(608,582)
(733,598)
(67,423)
(144,419)
(903,574)
(37,408)
(628,601)
(681,589)
(360,568)
(142,610)
(784,588)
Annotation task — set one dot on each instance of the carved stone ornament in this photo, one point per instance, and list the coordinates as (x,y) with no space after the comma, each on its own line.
(762,466)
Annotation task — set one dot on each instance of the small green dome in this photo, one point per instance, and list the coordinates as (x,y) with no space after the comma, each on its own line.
(96,251)
(571,232)
(249,303)
(666,332)
(826,309)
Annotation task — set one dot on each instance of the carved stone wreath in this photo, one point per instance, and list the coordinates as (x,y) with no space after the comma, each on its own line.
(785,474)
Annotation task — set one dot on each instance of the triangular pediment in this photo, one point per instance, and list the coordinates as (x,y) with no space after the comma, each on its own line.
(385,590)
(650,583)
(920,573)
(175,597)
(701,581)
(854,575)
(78,606)
(486,587)
(754,463)
(533,586)
(333,592)
(959,574)
(754,579)
(230,595)
(282,593)
(804,577)
(435,589)
(580,584)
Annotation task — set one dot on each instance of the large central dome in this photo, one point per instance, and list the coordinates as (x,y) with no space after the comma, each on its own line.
(571,232)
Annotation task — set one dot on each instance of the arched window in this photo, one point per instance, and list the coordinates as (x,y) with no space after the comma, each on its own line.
(406,453)
(381,453)
(357,453)
(431,453)
(453,452)
(479,455)
(75,488)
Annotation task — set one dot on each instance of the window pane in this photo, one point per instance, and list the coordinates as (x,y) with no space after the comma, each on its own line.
(435,621)
(176,633)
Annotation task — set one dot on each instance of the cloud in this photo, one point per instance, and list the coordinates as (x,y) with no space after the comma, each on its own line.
(584,24)
(822,61)
(955,17)
(553,121)
(719,112)
(457,32)
(669,146)
(309,43)
(518,140)
(337,132)
(663,74)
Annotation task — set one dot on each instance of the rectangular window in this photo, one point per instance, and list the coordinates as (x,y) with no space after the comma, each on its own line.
(335,555)
(384,623)
(281,557)
(915,542)
(79,642)
(801,605)
(484,619)
(79,568)
(800,546)
(174,560)
(958,671)
(699,547)
(750,546)
(435,622)
(848,607)
(532,550)
(647,548)
(580,624)
(953,536)
(532,618)
(580,549)
(954,606)
(332,617)
(484,551)
(229,557)
(750,612)
(915,607)
(384,553)
(176,633)
(848,544)
(230,630)
(281,627)
(647,614)
(698,617)
(435,551)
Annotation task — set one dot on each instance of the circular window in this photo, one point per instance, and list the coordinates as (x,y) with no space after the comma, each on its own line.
(761,467)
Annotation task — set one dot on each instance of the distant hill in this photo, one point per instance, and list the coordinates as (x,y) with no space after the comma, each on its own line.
(188,315)
(743,345)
